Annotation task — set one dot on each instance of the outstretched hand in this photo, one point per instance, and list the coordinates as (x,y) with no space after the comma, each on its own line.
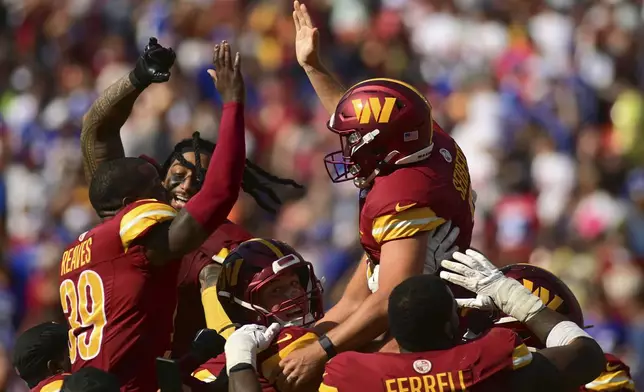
(227,74)
(307,37)
(474,272)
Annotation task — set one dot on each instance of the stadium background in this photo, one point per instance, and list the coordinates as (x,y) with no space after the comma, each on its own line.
(545,98)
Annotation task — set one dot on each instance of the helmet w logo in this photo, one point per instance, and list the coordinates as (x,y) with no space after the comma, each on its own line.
(544,294)
(381,113)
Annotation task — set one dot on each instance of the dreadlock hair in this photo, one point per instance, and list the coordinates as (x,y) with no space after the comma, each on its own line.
(251,183)
(114,181)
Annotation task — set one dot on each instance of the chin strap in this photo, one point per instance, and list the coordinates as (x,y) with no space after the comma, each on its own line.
(297,322)
(364,182)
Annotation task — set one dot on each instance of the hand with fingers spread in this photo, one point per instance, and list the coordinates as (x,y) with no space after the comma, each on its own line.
(440,246)
(246,342)
(227,74)
(153,66)
(476,273)
(307,37)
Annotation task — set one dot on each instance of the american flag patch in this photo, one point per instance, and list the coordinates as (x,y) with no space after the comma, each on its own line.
(410,136)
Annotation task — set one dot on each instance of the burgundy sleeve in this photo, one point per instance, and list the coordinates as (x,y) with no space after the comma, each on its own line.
(212,204)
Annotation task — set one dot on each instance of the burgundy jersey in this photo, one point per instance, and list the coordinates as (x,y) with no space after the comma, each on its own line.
(616,377)
(484,364)
(289,339)
(118,306)
(51,384)
(419,198)
(190,316)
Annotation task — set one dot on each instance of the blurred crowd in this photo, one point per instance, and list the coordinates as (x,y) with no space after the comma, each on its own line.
(544,97)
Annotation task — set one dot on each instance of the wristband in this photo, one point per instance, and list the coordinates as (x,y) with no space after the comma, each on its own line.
(136,82)
(327,346)
(240,367)
(564,333)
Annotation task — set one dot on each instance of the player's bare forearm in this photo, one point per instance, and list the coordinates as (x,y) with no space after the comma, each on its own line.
(327,88)
(399,260)
(208,276)
(581,361)
(100,138)
(364,325)
(244,381)
(354,295)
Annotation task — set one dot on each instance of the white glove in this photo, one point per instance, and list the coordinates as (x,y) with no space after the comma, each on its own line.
(481,302)
(245,343)
(476,273)
(440,246)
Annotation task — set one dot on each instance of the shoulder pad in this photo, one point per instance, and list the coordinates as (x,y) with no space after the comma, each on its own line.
(141,217)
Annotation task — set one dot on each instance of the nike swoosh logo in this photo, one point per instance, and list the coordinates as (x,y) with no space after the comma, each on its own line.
(403,208)
(612,368)
(286,338)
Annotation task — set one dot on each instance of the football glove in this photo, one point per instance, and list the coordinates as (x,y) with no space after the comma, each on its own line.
(153,66)
(440,246)
(246,342)
(481,302)
(476,273)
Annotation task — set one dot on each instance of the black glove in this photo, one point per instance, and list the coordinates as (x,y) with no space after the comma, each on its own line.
(207,344)
(153,66)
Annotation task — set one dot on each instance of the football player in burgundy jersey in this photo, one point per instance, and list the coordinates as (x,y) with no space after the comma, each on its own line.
(41,357)
(424,321)
(412,178)
(264,281)
(183,173)
(118,280)
(558,297)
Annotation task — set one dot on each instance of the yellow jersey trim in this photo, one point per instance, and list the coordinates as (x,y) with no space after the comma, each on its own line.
(141,218)
(404,224)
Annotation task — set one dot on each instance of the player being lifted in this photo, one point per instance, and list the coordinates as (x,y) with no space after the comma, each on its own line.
(412,176)
(118,280)
(183,174)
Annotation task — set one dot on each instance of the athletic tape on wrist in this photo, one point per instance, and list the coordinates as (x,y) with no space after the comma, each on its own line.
(517,301)
(564,333)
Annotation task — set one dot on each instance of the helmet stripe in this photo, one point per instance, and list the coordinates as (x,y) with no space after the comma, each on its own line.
(269,245)
(400,82)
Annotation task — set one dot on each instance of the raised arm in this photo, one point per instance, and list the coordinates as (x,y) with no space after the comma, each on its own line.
(307,43)
(100,132)
(211,205)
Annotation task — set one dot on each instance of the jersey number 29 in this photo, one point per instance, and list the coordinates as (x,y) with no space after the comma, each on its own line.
(84,306)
